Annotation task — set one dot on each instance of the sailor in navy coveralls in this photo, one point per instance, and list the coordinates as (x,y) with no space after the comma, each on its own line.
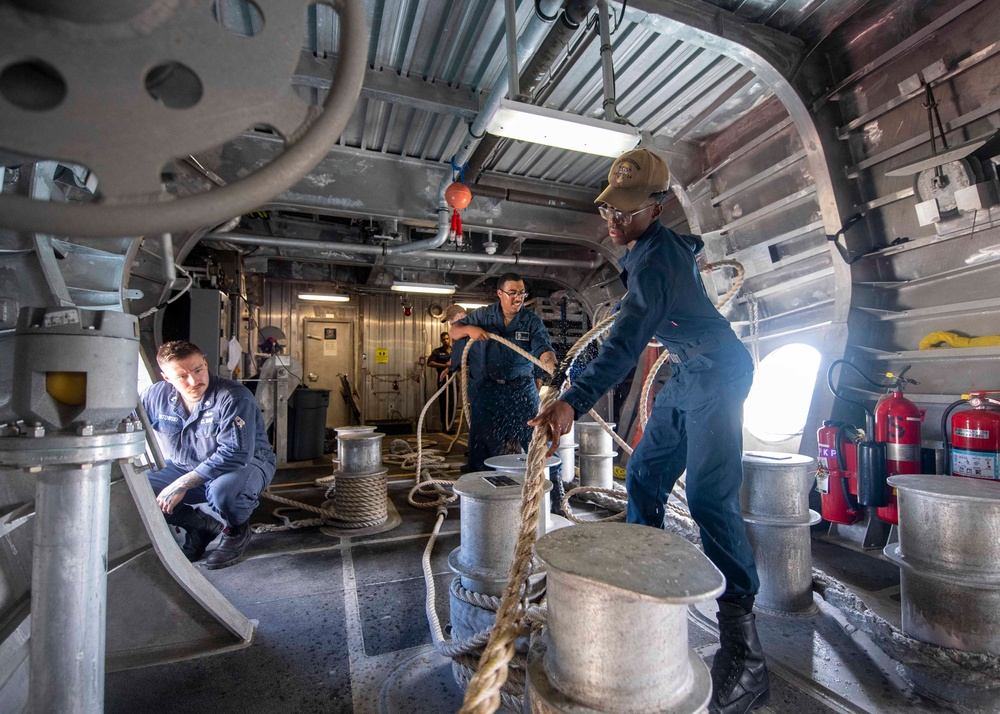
(216,449)
(697,419)
(507,390)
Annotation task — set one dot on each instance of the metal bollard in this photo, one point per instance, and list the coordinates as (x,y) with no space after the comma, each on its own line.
(597,470)
(593,439)
(488,528)
(359,453)
(949,562)
(345,430)
(359,475)
(617,637)
(567,454)
(774,499)
(518,463)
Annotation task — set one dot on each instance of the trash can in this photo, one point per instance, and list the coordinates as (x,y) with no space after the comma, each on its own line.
(307,423)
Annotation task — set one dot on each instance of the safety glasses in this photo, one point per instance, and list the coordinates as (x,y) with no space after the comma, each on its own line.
(622,218)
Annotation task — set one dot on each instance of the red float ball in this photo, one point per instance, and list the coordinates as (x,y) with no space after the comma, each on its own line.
(458,195)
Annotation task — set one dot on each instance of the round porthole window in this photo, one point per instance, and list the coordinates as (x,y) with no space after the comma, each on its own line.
(782,390)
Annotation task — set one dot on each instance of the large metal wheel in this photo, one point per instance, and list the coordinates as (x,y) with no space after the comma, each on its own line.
(125,87)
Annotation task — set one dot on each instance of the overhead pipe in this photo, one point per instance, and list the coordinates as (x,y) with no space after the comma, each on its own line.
(513,259)
(529,42)
(437,241)
(534,199)
(544,59)
(510,15)
(607,68)
(527,45)
(332,247)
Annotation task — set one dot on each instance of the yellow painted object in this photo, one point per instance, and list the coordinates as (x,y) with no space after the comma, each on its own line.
(952,339)
(67,387)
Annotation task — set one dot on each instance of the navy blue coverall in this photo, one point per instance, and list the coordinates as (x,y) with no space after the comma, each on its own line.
(697,418)
(223,440)
(506,394)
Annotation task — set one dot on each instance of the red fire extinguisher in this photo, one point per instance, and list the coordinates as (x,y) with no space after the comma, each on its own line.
(975,436)
(836,477)
(897,425)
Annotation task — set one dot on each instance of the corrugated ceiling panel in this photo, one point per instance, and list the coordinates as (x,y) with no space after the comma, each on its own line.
(662,85)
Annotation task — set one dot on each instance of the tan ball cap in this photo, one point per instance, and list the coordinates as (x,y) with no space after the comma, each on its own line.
(452,312)
(634,177)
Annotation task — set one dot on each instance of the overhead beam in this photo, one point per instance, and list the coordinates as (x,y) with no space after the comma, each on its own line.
(776,59)
(364,184)
(390,87)
(780,61)
(705,25)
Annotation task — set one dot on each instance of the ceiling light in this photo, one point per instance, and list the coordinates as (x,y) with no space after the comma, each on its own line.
(540,125)
(472,305)
(324,297)
(425,288)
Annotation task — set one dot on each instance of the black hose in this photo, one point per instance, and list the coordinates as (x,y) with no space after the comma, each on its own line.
(833,390)
(841,456)
(945,431)
(849,498)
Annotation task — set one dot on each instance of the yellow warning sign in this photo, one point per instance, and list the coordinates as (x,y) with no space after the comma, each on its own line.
(381,355)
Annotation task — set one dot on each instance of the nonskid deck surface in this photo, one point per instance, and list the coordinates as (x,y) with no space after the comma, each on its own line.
(342,629)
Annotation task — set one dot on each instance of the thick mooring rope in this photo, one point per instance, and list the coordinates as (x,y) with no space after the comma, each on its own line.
(359,503)
(951,666)
(465,653)
(442,494)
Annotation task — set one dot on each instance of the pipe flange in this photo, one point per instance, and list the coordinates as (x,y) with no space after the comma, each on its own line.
(980,581)
(812,519)
(344,475)
(480,575)
(61,450)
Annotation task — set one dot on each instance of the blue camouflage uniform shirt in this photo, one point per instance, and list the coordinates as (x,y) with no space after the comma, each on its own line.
(223,434)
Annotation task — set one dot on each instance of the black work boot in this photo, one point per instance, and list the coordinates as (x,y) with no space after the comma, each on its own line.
(230,549)
(200,529)
(739,674)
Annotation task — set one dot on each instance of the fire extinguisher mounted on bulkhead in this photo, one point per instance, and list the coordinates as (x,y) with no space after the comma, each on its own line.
(974,445)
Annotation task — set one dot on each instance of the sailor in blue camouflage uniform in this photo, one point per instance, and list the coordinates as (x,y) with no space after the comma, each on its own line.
(697,418)
(507,390)
(216,449)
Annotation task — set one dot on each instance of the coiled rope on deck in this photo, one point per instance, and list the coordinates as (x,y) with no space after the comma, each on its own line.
(359,503)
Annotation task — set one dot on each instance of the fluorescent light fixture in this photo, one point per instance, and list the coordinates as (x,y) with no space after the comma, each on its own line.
(472,305)
(324,297)
(539,125)
(425,288)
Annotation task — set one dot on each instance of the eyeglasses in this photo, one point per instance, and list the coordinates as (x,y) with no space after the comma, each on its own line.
(621,217)
(514,294)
